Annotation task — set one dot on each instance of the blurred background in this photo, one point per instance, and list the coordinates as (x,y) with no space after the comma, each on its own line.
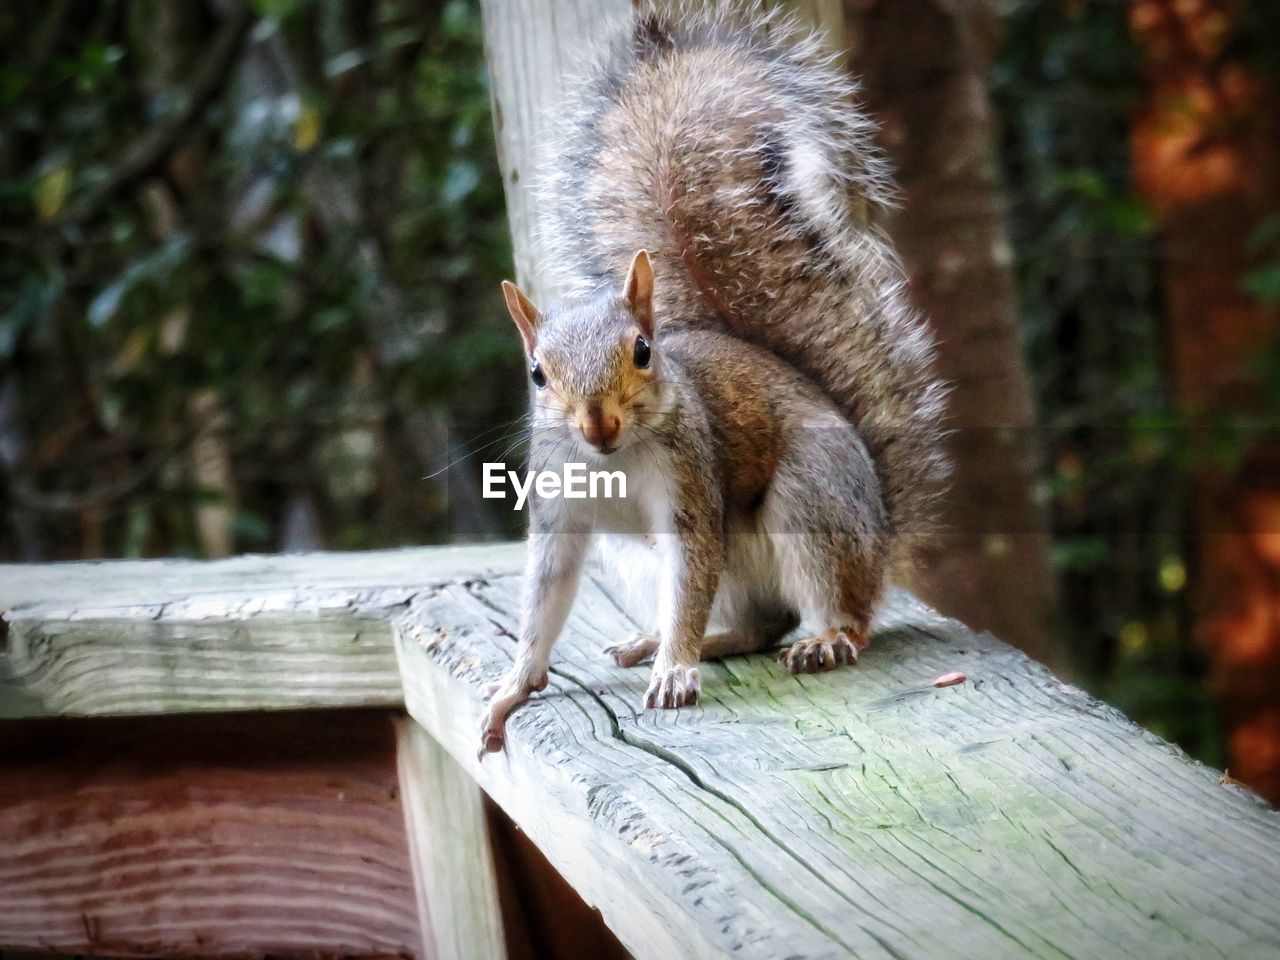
(249,266)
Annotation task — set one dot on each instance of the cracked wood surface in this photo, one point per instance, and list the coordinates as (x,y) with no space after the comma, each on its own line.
(856,813)
(861,812)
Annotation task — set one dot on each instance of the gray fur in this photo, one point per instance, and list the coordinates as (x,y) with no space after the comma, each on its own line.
(752,503)
(727,144)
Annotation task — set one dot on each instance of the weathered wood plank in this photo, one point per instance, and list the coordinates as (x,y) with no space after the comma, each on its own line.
(861,812)
(207,836)
(453,867)
(531,48)
(250,633)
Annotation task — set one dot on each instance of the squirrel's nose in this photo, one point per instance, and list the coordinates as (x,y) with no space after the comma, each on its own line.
(600,428)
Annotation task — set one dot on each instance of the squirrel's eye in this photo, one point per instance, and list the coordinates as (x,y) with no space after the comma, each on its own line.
(642,353)
(537,376)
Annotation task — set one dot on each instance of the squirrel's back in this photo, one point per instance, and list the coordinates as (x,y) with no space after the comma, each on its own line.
(724,142)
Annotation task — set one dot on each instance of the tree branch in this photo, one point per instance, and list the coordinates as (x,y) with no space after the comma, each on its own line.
(145,154)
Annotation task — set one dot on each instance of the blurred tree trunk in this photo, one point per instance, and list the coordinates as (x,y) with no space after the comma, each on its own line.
(1206,155)
(924,66)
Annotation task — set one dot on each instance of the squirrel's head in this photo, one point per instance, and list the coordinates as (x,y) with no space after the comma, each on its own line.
(593,362)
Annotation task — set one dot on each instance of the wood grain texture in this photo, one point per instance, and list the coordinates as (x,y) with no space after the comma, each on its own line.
(227,836)
(453,867)
(857,813)
(531,48)
(251,633)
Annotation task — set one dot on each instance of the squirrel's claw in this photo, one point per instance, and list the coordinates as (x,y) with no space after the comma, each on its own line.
(493,730)
(505,696)
(492,738)
(673,687)
(824,652)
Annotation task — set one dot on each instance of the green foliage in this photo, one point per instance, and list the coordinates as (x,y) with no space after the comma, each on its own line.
(288,309)
(1263,283)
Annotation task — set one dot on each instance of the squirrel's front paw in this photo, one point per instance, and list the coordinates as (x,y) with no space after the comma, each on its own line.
(504,697)
(628,654)
(671,687)
(824,652)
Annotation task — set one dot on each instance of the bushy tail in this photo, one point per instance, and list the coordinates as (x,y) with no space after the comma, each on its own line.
(725,142)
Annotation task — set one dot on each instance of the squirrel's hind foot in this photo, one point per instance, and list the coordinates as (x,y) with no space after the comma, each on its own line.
(828,650)
(641,646)
(630,653)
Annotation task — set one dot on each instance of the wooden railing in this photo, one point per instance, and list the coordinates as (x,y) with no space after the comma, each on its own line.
(862,812)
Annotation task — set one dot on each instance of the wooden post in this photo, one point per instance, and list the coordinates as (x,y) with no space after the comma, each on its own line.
(533,47)
(449,847)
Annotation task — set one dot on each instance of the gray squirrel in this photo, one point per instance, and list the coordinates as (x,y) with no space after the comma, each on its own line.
(737,341)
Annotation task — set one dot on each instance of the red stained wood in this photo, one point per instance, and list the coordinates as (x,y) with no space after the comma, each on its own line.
(232,835)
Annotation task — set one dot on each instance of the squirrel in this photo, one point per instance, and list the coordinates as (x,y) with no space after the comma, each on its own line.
(757,372)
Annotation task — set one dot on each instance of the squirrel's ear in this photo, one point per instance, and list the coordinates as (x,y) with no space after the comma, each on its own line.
(638,291)
(523,312)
